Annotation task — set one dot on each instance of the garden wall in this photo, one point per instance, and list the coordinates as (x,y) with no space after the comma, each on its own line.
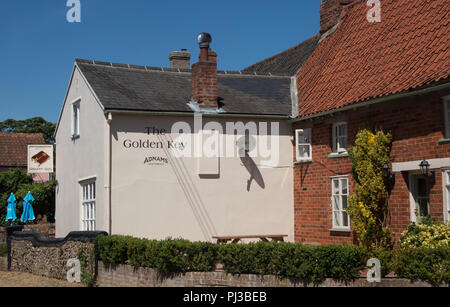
(32,253)
(129,276)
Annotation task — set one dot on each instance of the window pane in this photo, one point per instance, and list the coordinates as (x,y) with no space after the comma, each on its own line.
(344,186)
(303,151)
(300,137)
(336,204)
(337,220)
(336,189)
(345,219)
(344,202)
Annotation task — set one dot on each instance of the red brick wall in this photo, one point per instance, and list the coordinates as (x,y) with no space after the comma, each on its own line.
(204,81)
(417,124)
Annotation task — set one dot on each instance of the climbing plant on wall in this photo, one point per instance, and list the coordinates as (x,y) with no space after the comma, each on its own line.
(368,206)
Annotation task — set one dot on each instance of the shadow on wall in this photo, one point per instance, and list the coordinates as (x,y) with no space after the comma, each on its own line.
(190,191)
(255,174)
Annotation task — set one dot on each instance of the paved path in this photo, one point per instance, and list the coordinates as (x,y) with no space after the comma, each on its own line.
(15,279)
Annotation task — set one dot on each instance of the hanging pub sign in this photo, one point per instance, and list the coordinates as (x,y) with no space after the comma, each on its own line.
(40,159)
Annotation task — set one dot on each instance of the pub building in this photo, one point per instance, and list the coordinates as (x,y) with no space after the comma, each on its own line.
(132,158)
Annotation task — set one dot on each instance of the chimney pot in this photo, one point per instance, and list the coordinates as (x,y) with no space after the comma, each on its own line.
(180,59)
(204,74)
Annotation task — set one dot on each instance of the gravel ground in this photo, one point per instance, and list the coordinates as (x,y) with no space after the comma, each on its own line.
(16,279)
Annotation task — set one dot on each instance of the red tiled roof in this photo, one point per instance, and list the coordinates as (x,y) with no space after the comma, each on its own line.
(14,147)
(409,48)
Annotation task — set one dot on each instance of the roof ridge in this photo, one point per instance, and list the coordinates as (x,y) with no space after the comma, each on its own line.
(175,70)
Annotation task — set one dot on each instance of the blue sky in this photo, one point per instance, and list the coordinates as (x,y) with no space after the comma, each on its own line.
(38,46)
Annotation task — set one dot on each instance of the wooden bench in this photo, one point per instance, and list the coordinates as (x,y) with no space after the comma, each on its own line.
(236,239)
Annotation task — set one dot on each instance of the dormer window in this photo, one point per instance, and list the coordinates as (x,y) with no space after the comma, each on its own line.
(76,119)
(340,137)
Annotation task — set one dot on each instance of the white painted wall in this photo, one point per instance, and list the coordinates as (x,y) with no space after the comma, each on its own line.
(79,158)
(172,200)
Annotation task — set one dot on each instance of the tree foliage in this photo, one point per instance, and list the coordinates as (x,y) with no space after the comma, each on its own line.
(20,183)
(31,125)
(368,207)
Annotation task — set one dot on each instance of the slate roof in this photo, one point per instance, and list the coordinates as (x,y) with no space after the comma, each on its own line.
(14,147)
(141,88)
(409,48)
(287,62)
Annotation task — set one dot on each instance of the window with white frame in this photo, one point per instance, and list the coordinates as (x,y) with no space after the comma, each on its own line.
(340,137)
(447,117)
(339,201)
(88,213)
(303,144)
(76,119)
(446,182)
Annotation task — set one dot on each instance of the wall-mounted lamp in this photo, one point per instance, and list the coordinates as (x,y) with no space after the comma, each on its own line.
(388,176)
(425,169)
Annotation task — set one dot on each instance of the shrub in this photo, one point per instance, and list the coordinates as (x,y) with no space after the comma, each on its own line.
(297,262)
(18,182)
(428,234)
(167,257)
(427,264)
(368,206)
(286,260)
(3,250)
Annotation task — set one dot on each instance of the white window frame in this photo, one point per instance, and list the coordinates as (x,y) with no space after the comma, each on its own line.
(341,210)
(75,121)
(337,139)
(88,214)
(446,101)
(298,143)
(446,194)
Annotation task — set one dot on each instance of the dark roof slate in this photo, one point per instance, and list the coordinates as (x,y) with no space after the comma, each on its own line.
(141,88)
(287,62)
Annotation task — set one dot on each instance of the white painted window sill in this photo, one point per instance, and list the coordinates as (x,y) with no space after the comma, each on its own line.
(336,155)
(340,230)
(444,141)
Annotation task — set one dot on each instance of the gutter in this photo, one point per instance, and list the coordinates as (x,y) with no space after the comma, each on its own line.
(108,171)
(374,101)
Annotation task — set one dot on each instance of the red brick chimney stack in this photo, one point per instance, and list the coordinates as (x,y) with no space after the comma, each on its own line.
(204,75)
(331,12)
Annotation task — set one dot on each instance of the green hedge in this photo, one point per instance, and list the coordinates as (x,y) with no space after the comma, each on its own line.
(294,261)
(3,250)
(432,265)
(297,262)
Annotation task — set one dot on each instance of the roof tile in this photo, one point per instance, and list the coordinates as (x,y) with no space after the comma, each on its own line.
(14,147)
(361,60)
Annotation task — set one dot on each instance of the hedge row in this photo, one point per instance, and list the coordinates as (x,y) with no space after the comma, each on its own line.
(297,262)
(3,250)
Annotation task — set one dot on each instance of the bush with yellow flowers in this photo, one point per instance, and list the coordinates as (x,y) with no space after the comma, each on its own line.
(368,206)
(428,234)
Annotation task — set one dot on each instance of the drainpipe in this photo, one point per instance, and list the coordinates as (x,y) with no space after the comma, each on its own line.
(108,174)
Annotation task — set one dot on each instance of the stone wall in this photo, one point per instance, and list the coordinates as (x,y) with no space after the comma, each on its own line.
(32,253)
(3,264)
(128,276)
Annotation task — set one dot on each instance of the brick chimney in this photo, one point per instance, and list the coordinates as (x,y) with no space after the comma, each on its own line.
(180,59)
(330,13)
(204,75)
